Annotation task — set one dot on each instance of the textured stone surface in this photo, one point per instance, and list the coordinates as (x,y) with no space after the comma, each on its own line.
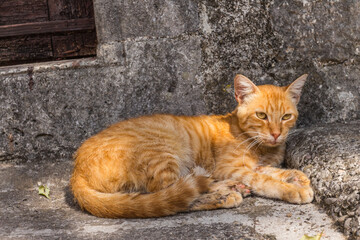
(321,38)
(274,42)
(117,20)
(330,156)
(238,38)
(172,65)
(158,18)
(63,107)
(26,215)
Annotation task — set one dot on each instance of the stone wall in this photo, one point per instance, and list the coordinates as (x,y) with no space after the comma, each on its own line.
(277,41)
(180,57)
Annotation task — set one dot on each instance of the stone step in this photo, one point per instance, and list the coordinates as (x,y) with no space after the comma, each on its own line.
(27,215)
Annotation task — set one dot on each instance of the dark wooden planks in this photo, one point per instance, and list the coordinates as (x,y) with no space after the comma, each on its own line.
(20,49)
(40,30)
(74,44)
(47,27)
(70,9)
(23,11)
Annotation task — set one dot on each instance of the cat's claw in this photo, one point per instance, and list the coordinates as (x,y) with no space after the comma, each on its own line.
(244,190)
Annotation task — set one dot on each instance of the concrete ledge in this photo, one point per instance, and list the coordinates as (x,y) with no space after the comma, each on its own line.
(330,156)
(48,66)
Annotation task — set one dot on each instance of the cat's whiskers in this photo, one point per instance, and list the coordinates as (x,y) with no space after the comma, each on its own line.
(257,134)
(260,143)
(252,144)
(248,132)
(238,136)
(252,138)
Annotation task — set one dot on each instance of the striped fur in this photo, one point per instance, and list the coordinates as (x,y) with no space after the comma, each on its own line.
(158,165)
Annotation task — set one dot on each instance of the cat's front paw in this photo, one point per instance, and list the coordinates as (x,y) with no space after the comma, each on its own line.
(299,195)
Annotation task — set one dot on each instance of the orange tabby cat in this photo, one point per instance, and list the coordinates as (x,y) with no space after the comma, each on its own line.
(159,165)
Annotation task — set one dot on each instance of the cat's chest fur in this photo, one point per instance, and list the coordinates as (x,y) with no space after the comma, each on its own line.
(271,156)
(209,154)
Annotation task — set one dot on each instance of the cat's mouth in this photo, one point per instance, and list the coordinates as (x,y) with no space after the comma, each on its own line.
(272,142)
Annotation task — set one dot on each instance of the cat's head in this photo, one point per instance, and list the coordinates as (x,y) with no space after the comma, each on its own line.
(267,112)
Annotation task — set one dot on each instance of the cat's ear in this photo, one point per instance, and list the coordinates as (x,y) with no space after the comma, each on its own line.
(294,89)
(243,87)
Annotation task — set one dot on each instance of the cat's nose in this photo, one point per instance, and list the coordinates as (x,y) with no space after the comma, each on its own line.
(275,135)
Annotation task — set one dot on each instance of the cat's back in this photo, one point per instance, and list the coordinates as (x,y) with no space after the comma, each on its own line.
(149,124)
(158,123)
(130,137)
(144,128)
(182,134)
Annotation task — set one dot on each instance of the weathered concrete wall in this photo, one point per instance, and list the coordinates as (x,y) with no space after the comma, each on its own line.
(277,41)
(62,107)
(179,57)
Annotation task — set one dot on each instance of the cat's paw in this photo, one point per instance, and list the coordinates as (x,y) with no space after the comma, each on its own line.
(231,200)
(229,184)
(241,188)
(297,178)
(299,195)
(221,198)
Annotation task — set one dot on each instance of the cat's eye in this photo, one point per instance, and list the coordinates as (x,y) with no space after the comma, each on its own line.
(261,115)
(286,117)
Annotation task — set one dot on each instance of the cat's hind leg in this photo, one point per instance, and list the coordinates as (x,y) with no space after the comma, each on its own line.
(162,171)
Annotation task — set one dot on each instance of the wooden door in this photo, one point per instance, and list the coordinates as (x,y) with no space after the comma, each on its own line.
(43,30)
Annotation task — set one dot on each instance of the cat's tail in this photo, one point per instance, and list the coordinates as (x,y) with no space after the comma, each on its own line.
(168,201)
